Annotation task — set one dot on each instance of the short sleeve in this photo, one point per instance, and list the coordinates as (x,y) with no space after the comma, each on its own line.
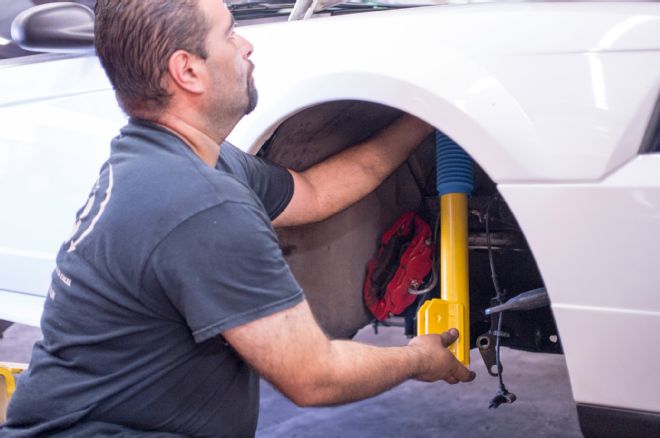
(273,184)
(223,268)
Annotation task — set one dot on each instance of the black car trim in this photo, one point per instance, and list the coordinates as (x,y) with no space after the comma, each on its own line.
(651,140)
(608,422)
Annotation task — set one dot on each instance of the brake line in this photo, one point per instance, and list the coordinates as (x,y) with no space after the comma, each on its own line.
(503,395)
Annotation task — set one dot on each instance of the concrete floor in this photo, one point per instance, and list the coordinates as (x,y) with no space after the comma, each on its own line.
(544,408)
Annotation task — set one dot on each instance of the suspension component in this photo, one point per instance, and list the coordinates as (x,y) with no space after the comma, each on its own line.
(403,260)
(529,300)
(454,180)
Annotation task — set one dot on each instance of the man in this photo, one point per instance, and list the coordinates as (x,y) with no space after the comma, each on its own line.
(172,294)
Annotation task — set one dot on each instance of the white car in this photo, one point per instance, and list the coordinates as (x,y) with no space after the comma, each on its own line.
(557,104)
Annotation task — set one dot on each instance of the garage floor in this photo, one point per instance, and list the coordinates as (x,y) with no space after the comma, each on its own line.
(544,408)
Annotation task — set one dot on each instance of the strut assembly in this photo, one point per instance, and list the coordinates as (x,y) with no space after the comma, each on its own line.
(452,310)
(408,257)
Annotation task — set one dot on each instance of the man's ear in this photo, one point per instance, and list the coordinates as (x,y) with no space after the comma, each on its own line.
(186,71)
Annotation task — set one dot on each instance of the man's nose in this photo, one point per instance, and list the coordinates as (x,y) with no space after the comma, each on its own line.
(246,47)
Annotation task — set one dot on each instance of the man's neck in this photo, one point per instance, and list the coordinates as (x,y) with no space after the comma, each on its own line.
(205,145)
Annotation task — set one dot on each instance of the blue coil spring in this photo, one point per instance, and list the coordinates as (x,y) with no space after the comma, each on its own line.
(453,167)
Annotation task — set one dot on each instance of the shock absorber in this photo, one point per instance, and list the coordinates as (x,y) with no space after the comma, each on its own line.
(454,183)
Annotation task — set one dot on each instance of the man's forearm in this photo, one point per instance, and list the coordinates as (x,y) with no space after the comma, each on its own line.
(289,349)
(343,179)
(350,175)
(357,371)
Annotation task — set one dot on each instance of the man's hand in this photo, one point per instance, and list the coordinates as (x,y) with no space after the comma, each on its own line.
(437,363)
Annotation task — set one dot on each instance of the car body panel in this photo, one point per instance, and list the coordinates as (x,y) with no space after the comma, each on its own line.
(50,154)
(597,245)
(546,105)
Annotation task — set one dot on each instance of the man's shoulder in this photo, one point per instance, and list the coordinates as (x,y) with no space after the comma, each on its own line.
(169,191)
(151,184)
(151,162)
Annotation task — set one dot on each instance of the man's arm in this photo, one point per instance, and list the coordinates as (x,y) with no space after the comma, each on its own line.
(343,179)
(290,350)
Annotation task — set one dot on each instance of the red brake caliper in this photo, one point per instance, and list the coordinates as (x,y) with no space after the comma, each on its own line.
(403,260)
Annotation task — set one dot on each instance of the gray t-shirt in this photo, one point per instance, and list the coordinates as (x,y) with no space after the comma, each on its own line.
(166,255)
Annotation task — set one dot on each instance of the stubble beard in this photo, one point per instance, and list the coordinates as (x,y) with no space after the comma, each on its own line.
(220,110)
(252,93)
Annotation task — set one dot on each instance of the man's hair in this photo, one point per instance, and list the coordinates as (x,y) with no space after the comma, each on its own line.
(134,40)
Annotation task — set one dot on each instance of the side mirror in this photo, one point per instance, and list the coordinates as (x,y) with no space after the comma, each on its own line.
(63,27)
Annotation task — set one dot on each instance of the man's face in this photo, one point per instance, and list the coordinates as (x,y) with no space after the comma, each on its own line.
(232,88)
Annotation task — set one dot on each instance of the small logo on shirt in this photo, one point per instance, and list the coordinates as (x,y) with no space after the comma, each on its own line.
(85,221)
(63,278)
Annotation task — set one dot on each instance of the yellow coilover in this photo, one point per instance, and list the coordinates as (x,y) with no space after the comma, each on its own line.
(452,310)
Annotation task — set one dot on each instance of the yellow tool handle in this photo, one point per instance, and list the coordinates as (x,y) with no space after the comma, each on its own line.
(452,310)
(8,371)
(454,272)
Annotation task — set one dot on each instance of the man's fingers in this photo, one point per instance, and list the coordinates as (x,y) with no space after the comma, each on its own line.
(463,374)
(450,369)
(449,337)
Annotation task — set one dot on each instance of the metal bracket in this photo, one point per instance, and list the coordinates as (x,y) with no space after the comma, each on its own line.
(486,344)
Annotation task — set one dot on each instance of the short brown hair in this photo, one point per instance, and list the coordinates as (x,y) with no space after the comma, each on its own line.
(134,40)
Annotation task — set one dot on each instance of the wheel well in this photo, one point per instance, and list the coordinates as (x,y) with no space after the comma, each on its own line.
(329,258)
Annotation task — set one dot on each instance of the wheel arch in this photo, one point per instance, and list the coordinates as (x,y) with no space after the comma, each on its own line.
(450,114)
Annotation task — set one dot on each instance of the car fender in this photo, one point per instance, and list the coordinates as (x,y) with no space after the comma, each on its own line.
(534,109)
